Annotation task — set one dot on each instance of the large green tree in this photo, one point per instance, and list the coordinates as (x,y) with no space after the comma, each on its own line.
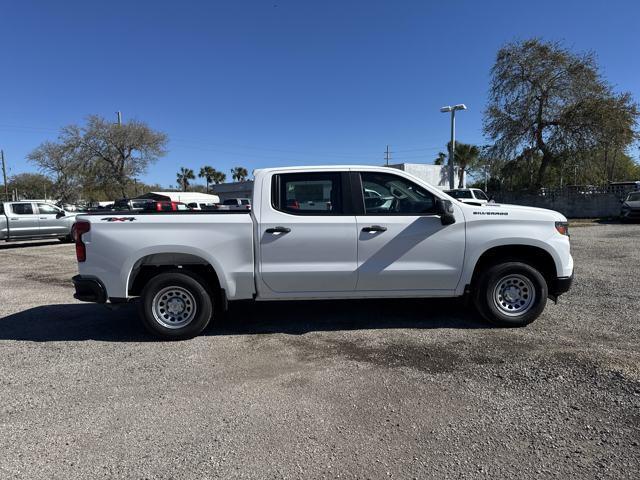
(63,162)
(554,102)
(100,154)
(30,186)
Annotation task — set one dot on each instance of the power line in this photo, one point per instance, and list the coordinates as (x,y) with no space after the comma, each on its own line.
(229,148)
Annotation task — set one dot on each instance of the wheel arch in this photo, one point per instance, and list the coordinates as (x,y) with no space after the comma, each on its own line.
(533,255)
(152,264)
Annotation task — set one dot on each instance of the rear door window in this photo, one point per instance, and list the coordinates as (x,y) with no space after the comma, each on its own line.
(309,193)
(22,208)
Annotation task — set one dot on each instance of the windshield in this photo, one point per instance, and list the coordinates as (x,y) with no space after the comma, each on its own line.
(634,197)
(459,193)
(480,195)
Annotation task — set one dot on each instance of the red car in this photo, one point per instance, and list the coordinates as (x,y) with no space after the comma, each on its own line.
(166,206)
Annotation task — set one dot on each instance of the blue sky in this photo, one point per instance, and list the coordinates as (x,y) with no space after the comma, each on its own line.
(281,82)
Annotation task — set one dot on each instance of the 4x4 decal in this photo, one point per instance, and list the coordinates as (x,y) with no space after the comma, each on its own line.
(118,219)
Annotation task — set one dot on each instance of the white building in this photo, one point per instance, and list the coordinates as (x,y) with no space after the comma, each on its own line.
(436,175)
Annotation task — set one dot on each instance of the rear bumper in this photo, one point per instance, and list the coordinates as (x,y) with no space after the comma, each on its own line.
(560,285)
(89,289)
(630,214)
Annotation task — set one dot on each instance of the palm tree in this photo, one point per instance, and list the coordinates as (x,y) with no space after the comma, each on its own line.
(183,177)
(207,173)
(440,160)
(218,177)
(239,174)
(466,157)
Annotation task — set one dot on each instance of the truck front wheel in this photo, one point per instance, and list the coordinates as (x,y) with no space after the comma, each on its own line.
(176,305)
(511,294)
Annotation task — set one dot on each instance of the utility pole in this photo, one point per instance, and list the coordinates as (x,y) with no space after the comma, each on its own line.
(452,146)
(4,176)
(119,113)
(387,155)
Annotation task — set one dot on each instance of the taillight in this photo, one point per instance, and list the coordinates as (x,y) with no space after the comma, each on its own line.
(563,228)
(78,229)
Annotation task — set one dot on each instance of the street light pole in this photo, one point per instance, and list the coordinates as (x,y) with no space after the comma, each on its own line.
(452,147)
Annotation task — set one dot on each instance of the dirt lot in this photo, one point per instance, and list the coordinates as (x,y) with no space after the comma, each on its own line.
(377,389)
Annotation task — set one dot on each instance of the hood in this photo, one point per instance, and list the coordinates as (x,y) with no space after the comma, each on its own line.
(519,211)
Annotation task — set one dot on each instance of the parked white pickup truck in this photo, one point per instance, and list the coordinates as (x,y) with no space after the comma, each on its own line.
(325,233)
(33,219)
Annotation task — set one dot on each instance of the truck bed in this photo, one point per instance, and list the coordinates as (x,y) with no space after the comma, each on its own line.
(118,243)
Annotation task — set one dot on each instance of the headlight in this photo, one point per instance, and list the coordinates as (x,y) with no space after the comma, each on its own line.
(563,228)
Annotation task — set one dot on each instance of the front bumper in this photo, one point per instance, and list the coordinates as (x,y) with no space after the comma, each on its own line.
(559,286)
(89,289)
(630,214)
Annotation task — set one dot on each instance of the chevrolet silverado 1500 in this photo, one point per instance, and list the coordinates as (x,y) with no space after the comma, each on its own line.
(325,233)
(28,220)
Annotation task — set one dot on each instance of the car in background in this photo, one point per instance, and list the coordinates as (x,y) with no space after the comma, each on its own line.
(630,207)
(166,206)
(234,204)
(471,196)
(201,206)
(132,204)
(34,219)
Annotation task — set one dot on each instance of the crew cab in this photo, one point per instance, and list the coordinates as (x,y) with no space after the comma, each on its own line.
(325,233)
(34,219)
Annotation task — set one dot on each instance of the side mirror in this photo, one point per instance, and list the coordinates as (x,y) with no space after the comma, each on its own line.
(60,214)
(444,209)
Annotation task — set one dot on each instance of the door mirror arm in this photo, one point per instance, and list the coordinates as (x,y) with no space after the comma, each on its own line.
(444,209)
(60,214)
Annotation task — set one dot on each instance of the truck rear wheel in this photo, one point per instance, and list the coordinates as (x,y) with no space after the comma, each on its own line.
(176,305)
(511,294)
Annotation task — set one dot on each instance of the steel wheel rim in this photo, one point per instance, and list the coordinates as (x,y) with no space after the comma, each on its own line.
(174,307)
(514,295)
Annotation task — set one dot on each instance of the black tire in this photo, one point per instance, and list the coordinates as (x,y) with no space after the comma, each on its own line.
(519,303)
(186,291)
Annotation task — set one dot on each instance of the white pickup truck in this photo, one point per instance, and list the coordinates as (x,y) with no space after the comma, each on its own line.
(325,233)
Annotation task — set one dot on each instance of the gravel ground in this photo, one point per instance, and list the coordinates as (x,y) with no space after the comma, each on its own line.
(377,389)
